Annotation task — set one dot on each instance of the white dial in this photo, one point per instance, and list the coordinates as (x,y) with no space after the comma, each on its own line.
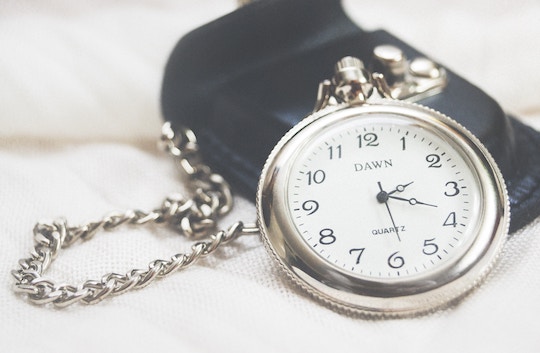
(383,197)
(383,208)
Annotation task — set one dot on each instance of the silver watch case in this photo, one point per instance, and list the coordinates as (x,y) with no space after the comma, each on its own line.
(388,297)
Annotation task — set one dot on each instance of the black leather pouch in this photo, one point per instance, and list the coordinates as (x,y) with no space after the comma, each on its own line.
(242,81)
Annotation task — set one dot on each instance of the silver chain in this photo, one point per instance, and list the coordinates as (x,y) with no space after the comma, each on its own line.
(195,217)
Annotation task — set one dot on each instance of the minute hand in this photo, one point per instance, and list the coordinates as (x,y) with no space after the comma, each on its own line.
(400,188)
(412,201)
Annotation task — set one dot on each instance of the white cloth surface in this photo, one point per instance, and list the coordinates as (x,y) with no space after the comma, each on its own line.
(79,98)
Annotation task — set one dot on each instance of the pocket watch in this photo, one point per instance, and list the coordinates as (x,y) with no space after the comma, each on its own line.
(371,204)
(380,206)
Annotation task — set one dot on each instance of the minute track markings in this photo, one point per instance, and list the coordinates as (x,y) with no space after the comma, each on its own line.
(388,139)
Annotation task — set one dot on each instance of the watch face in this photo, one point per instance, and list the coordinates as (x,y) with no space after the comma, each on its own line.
(383,197)
(383,208)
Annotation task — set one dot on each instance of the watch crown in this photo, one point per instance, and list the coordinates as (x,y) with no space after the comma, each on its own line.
(349,62)
(352,81)
(350,68)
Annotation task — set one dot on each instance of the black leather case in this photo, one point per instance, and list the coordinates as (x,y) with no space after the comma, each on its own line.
(242,81)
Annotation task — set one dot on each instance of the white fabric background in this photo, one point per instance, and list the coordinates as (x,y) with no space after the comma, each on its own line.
(79,114)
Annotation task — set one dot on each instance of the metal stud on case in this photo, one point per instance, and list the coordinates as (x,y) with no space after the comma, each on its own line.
(409,80)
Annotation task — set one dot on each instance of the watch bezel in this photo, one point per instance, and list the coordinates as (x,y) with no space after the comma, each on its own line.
(392,296)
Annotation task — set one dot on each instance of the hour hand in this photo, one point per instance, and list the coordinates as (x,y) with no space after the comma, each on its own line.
(411,201)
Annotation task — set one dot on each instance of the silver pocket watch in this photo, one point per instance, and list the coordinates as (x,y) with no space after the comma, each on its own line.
(379,206)
(371,204)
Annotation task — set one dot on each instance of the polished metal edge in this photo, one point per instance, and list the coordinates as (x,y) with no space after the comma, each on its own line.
(444,301)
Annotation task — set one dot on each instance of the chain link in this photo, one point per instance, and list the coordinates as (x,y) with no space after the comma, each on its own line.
(195,217)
